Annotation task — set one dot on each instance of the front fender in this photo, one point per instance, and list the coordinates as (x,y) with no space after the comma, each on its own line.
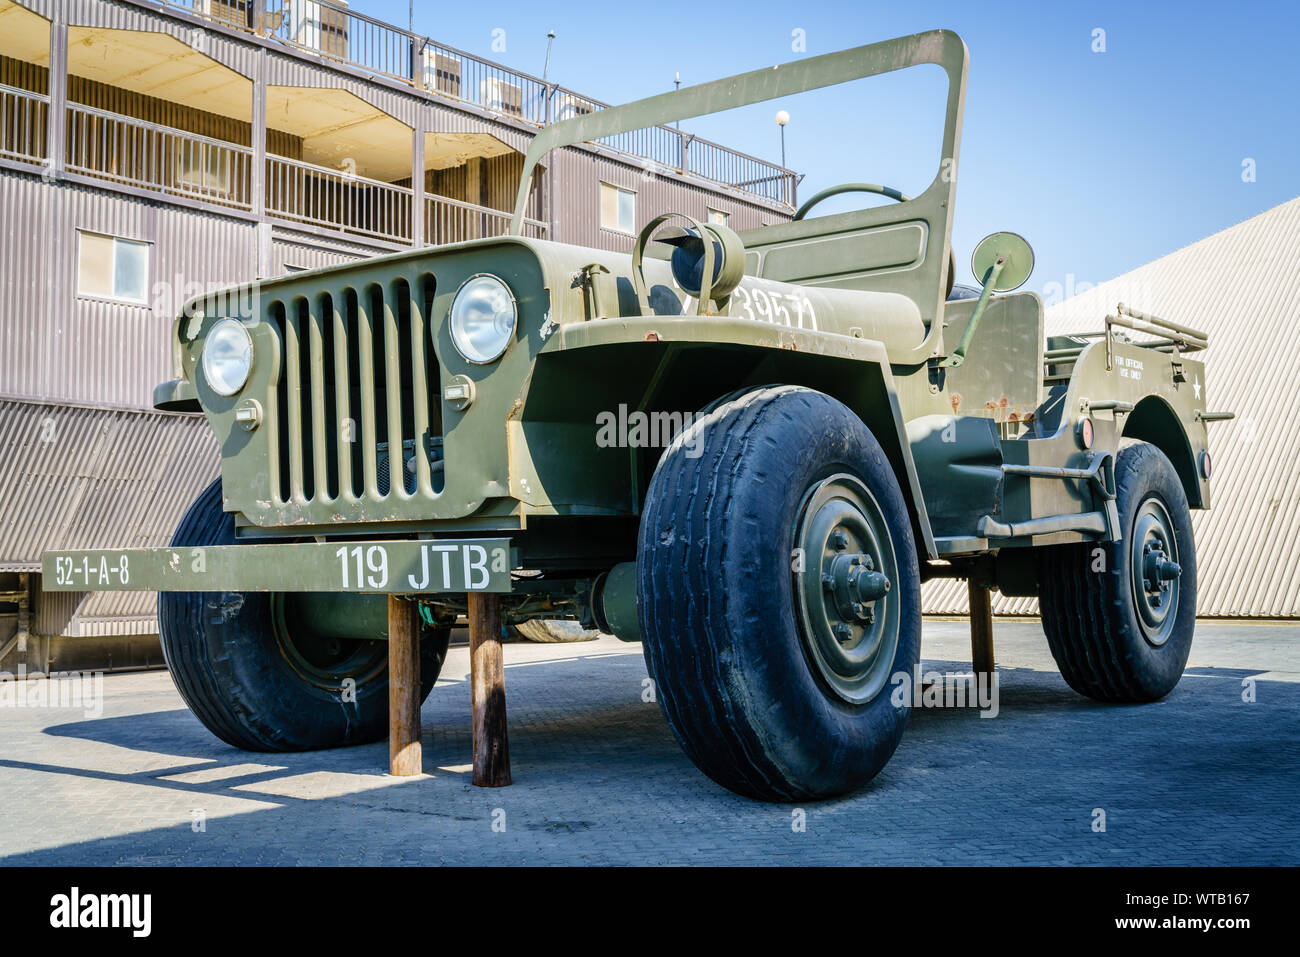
(666,365)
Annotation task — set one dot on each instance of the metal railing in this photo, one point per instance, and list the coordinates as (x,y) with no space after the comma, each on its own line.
(24,124)
(125,150)
(448,220)
(717,163)
(337,199)
(231,13)
(149,156)
(336,32)
(459,75)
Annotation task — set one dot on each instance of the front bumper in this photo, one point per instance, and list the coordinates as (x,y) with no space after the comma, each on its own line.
(394,567)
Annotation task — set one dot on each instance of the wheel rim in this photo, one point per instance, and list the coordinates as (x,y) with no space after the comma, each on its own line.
(324,660)
(844,588)
(1154,571)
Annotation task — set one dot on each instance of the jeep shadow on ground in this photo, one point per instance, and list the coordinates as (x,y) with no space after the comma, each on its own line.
(599,778)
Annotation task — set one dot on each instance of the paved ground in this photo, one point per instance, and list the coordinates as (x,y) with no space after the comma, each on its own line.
(1202,777)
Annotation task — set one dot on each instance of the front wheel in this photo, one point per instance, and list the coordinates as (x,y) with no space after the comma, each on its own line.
(1119,617)
(779,595)
(255,672)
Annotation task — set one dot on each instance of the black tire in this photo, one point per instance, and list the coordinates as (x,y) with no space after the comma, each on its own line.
(725,639)
(1104,644)
(229,662)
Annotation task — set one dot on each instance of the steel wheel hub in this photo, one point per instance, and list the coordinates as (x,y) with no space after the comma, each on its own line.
(323,660)
(1154,571)
(848,618)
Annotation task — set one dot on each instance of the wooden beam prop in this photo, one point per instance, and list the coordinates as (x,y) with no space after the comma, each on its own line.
(405,756)
(981,628)
(488,689)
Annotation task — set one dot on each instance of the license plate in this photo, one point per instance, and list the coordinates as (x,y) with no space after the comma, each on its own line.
(445,565)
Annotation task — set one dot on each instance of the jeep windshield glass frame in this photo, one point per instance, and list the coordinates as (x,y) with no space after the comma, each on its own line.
(927,283)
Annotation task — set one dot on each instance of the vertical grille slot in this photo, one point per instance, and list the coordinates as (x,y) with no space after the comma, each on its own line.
(278,464)
(317,479)
(420,303)
(393,365)
(343,308)
(368,444)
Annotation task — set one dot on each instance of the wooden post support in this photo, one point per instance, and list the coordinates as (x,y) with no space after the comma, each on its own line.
(488,690)
(405,757)
(981,628)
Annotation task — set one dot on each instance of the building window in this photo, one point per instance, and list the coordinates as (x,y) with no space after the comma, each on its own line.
(112,268)
(617,208)
(718,216)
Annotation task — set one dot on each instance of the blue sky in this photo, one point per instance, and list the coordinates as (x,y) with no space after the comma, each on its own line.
(1102,160)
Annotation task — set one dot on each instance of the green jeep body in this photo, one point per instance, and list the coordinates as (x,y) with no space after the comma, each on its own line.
(998,456)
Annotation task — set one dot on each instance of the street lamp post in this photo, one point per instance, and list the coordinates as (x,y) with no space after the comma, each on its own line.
(550,38)
(782,118)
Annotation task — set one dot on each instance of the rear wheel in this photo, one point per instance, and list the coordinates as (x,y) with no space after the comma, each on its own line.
(779,595)
(1119,616)
(254,671)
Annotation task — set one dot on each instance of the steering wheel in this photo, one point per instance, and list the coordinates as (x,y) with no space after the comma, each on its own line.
(889,191)
(851,188)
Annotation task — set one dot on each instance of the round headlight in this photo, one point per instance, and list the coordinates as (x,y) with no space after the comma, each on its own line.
(227,357)
(482,318)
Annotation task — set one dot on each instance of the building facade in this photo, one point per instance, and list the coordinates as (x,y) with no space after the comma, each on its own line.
(150,151)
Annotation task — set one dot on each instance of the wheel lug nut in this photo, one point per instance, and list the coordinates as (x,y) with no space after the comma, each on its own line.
(839,539)
(843,632)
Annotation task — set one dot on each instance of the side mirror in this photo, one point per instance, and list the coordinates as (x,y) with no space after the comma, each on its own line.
(1001,262)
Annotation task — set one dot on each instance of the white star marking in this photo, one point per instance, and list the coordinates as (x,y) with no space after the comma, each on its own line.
(1196,386)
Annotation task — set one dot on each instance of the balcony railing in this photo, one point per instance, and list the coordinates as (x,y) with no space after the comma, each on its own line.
(149,156)
(24,124)
(340,200)
(449,220)
(336,32)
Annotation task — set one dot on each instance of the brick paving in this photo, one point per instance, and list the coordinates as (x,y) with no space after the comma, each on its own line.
(1201,777)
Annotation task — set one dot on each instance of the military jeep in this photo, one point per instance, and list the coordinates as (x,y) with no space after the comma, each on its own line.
(746,451)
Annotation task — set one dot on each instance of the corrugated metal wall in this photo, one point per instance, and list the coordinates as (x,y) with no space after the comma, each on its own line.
(57,345)
(1243,288)
(290,252)
(73,477)
(574,181)
(24,76)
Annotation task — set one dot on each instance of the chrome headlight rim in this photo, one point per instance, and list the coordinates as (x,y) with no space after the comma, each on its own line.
(221,384)
(453,325)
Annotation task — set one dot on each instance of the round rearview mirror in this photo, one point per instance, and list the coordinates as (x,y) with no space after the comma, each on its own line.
(1014,254)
